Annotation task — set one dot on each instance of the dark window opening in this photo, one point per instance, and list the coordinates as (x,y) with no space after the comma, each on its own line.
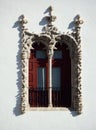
(61,77)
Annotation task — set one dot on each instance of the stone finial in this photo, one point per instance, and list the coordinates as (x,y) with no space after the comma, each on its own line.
(50,18)
(50,9)
(78,20)
(77,28)
(23,21)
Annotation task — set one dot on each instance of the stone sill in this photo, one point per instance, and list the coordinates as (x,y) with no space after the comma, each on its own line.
(48,108)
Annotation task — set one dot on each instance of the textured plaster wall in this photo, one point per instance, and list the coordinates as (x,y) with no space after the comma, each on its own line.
(65,11)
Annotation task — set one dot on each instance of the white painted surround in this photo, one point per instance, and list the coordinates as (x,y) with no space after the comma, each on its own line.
(65,11)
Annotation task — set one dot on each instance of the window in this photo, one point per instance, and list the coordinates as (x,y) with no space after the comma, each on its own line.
(41,54)
(57,54)
(61,78)
(59,73)
(56,78)
(41,77)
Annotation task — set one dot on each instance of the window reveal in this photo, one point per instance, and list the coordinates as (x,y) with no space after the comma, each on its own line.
(57,54)
(56,78)
(41,78)
(40,54)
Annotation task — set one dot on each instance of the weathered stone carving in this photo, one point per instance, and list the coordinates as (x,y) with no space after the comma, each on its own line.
(49,38)
(24,57)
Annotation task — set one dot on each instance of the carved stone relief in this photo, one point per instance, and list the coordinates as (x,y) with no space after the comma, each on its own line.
(49,38)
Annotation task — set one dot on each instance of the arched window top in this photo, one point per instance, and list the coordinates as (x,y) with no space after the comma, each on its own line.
(38,46)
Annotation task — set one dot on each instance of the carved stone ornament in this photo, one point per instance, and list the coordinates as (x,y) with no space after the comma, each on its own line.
(49,38)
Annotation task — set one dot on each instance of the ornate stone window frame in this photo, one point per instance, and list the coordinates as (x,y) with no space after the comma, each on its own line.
(49,38)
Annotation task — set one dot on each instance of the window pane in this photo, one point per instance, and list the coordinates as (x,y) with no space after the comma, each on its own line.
(57,54)
(56,77)
(41,54)
(41,77)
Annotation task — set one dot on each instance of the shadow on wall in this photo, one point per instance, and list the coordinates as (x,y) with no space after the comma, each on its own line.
(16,109)
(43,20)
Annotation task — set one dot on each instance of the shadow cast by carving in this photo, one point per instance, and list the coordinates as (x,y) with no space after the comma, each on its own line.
(43,21)
(73,113)
(16,109)
(72,24)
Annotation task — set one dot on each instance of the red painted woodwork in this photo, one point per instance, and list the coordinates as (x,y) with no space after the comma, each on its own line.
(32,70)
(60,98)
(64,95)
(37,98)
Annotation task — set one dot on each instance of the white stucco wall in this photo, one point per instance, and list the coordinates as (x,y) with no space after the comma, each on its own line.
(65,11)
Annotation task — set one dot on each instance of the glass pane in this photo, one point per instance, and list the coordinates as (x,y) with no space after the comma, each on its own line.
(57,54)
(41,77)
(56,77)
(41,54)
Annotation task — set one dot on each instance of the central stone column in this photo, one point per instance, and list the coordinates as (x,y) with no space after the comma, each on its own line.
(50,55)
(50,81)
